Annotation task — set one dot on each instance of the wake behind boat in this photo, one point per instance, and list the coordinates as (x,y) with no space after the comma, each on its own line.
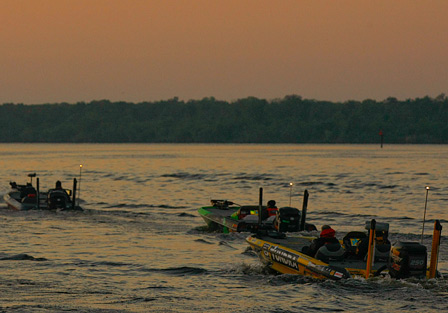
(27,197)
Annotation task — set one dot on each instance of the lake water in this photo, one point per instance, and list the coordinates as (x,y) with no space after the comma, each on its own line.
(140,245)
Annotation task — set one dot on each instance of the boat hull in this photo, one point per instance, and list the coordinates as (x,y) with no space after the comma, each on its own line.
(16,205)
(221,219)
(11,200)
(289,261)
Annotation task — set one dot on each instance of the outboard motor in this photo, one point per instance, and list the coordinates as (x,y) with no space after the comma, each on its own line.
(407,259)
(287,219)
(57,199)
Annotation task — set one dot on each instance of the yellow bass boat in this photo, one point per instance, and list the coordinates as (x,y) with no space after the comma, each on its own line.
(358,254)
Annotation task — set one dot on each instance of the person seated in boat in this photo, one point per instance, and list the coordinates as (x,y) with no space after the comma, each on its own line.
(271,208)
(58,189)
(58,185)
(327,236)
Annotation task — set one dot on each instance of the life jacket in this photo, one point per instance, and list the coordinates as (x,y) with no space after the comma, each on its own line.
(272,211)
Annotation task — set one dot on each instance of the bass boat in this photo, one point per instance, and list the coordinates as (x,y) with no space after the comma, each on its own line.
(27,197)
(227,216)
(358,254)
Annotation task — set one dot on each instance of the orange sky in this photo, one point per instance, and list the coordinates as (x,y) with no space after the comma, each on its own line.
(149,50)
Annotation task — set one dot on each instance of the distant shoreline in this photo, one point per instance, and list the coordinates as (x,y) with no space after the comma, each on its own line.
(291,120)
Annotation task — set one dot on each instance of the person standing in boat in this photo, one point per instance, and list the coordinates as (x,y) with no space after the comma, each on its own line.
(327,235)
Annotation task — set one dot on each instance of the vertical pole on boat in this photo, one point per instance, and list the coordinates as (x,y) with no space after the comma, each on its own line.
(424,214)
(371,251)
(38,193)
(79,189)
(260,207)
(304,208)
(435,249)
(290,193)
(74,194)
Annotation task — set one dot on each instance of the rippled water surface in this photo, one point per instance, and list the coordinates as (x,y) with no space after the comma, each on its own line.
(140,245)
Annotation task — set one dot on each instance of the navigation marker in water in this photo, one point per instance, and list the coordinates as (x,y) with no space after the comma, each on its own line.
(382,137)
(424,215)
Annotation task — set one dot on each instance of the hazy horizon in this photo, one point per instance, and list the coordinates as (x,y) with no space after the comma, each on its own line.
(83,50)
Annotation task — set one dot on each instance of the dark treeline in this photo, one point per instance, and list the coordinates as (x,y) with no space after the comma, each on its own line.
(250,120)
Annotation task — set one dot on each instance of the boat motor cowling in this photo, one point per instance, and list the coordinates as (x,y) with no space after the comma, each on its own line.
(287,219)
(407,259)
(57,199)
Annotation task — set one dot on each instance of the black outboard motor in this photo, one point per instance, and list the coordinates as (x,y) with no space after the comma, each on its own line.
(57,199)
(287,219)
(407,259)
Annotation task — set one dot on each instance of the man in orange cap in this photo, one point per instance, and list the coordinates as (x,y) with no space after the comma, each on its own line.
(327,235)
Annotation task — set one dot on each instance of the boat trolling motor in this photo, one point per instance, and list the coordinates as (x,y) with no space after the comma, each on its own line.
(222,204)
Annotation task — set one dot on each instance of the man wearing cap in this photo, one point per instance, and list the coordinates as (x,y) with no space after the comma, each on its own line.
(327,235)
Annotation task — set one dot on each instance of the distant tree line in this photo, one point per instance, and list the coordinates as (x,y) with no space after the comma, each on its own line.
(249,120)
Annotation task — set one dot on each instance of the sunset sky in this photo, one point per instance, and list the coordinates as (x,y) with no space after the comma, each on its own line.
(150,50)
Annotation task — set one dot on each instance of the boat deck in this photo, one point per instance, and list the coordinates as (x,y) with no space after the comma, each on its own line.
(296,243)
(222,212)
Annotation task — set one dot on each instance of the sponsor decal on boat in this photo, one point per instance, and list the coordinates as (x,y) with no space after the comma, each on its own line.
(291,260)
(325,270)
(282,256)
(338,275)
